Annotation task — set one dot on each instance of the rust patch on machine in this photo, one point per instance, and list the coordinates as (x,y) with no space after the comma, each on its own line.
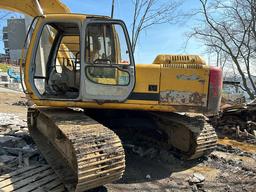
(183,97)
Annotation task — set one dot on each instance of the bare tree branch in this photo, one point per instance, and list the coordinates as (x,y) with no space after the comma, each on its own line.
(147,13)
(228,28)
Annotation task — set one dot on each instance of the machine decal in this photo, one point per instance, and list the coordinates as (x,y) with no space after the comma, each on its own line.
(183,97)
(188,77)
(144,96)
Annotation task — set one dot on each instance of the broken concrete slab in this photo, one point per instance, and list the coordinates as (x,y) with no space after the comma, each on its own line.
(7,158)
(11,141)
(199,176)
(196,178)
(8,119)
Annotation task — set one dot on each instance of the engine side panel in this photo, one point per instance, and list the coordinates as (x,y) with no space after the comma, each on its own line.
(183,84)
(147,87)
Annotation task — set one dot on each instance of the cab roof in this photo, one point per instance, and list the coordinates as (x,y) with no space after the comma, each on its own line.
(73,16)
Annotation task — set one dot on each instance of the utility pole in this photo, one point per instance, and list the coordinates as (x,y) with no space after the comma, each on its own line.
(113,8)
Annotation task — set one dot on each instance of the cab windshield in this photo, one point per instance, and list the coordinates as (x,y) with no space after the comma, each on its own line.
(106,44)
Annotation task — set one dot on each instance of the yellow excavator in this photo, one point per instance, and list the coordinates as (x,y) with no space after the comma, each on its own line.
(79,61)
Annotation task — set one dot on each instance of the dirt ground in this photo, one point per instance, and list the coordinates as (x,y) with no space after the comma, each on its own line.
(232,167)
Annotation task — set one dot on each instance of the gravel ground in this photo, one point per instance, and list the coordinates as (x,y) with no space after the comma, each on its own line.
(232,167)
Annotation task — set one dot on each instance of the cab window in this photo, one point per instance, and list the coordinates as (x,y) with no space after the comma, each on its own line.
(57,61)
(106,45)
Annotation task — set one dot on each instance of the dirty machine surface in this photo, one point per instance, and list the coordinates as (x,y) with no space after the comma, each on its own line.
(85,62)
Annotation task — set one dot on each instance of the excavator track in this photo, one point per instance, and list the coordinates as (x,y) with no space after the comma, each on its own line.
(189,134)
(83,153)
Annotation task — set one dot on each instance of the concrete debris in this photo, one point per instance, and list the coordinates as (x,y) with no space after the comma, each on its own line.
(143,151)
(199,177)
(227,188)
(196,178)
(237,121)
(196,182)
(234,150)
(194,188)
(10,141)
(21,103)
(225,175)
(152,153)
(8,120)
(7,158)
(16,151)
(16,146)
(148,166)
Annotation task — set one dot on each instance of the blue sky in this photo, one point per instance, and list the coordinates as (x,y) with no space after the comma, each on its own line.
(167,38)
(159,39)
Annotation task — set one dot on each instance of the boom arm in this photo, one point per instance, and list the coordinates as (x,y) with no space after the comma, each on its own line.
(30,7)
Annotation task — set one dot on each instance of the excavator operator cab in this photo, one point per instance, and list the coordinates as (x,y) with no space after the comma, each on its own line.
(77,57)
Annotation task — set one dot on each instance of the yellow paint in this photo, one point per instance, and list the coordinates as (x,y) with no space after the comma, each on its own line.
(165,78)
(170,80)
(55,17)
(178,59)
(147,74)
(29,7)
(129,105)
(28,58)
(66,17)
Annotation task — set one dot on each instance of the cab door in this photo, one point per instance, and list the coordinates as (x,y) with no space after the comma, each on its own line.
(108,69)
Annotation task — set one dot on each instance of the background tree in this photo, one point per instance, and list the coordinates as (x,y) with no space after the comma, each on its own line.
(228,28)
(147,13)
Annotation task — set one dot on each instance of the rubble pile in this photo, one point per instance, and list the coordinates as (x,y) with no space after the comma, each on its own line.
(227,169)
(21,103)
(149,167)
(153,153)
(237,121)
(236,167)
(16,146)
(236,151)
(196,181)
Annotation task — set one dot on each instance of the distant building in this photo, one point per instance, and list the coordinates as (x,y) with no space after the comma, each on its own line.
(13,37)
(5,40)
(4,58)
